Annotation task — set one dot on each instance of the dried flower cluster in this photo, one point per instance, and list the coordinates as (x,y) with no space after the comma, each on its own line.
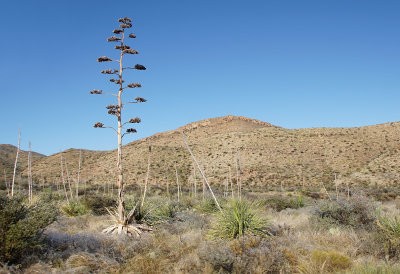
(124,20)
(117,81)
(113,110)
(96,91)
(122,47)
(139,67)
(98,124)
(103,59)
(132,35)
(134,85)
(118,31)
(140,100)
(113,39)
(110,71)
(134,120)
(130,51)
(126,25)
(131,130)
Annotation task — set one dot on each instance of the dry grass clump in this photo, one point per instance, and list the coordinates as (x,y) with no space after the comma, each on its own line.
(280,202)
(322,261)
(91,263)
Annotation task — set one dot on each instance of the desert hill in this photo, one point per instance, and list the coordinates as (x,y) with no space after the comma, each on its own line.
(269,155)
(7,159)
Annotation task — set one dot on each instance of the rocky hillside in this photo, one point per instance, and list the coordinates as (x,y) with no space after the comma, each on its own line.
(7,159)
(269,155)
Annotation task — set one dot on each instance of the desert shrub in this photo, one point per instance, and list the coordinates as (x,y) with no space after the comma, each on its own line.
(322,261)
(50,197)
(357,212)
(280,203)
(390,226)
(21,227)
(239,218)
(218,255)
(260,255)
(207,206)
(97,203)
(166,210)
(74,208)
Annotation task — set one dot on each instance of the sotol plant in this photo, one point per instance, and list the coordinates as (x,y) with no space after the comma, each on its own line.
(122,219)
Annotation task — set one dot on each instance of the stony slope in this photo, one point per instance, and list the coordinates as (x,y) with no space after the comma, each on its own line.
(7,159)
(269,154)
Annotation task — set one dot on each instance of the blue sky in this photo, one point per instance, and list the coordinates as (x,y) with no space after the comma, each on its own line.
(292,63)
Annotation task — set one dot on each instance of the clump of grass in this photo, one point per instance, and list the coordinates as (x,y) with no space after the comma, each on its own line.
(357,212)
(322,261)
(74,208)
(237,219)
(166,210)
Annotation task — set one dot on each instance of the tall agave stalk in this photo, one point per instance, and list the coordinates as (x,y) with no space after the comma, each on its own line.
(120,36)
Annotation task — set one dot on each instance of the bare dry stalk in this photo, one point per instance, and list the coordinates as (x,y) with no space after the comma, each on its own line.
(167,185)
(204,183)
(326,191)
(147,176)
(79,175)
(240,174)
(230,180)
(63,178)
(336,186)
(201,171)
(16,161)
(194,180)
(68,179)
(177,182)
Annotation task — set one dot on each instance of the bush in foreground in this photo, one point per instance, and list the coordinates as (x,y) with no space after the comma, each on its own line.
(21,227)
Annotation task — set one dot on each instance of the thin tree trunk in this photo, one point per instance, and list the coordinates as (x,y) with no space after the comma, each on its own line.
(177,181)
(63,178)
(194,180)
(16,161)
(201,171)
(147,175)
(79,174)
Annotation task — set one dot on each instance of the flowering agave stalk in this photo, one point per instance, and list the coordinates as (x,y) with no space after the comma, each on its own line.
(123,219)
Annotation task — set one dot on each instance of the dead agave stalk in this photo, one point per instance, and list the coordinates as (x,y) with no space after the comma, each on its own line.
(79,175)
(147,176)
(63,178)
(201,171)
(16,161)
(5,182)
(177,182)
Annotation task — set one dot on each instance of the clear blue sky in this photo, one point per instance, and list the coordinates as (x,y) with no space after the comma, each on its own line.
(295,64)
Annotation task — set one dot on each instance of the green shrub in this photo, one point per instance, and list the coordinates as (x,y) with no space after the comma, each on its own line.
(239,218)
(98,203)
(74,208)
(166,210)
(21,227)
(373,268)
(280,203)
(207,206)
(357,212)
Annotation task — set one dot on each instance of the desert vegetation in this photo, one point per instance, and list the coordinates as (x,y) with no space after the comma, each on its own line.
(222,195)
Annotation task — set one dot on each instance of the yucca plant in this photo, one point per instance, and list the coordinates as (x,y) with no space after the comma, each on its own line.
(239,218)
(390,225)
